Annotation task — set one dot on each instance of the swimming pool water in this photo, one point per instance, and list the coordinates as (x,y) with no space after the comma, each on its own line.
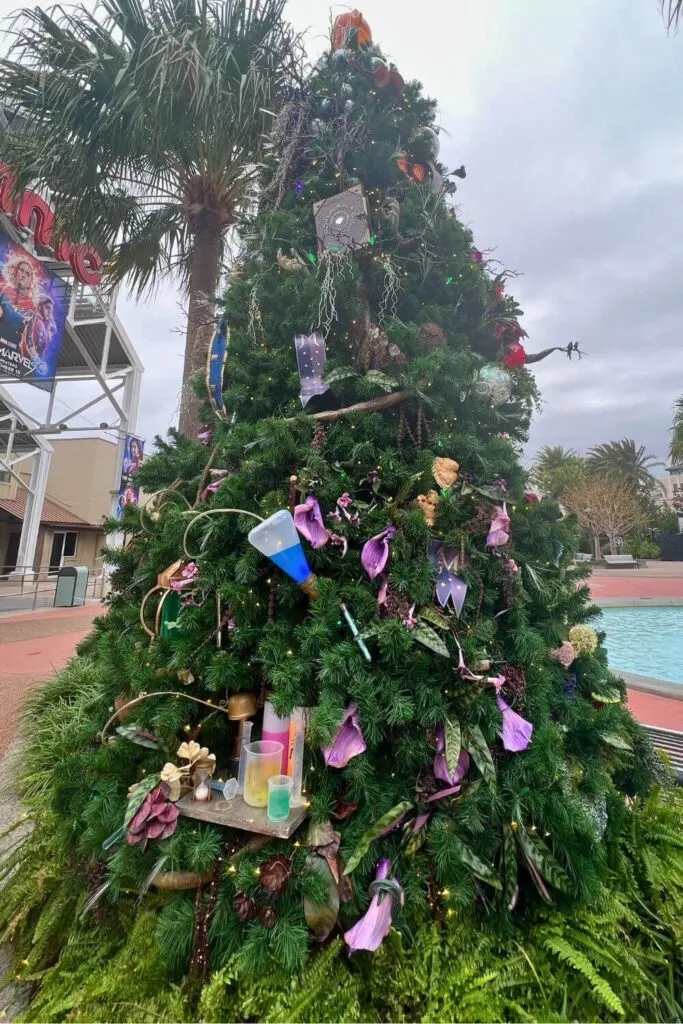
(647,641)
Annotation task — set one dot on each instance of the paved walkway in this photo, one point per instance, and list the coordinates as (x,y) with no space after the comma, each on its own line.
(33,645)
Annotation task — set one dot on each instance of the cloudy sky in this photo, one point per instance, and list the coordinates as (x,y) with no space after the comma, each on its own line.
(567,118)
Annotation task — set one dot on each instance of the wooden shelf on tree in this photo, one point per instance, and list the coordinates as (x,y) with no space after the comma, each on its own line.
(237,814)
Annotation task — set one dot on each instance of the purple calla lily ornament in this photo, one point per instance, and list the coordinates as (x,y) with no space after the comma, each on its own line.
(499,530)
(375,553)
(516,732)
(348,741)
(374,926)
(308,520)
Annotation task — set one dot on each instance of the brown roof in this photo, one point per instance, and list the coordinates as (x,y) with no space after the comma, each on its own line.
(53,514)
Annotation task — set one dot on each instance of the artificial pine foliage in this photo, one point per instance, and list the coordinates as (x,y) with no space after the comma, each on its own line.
(481,820)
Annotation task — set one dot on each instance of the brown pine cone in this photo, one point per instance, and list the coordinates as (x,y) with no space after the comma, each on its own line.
(431,337)
(244,907)
(480,523)
(319,437)
(515,680)
(267,916)
(275,875)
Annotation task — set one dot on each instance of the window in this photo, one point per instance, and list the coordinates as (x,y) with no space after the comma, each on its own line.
(5,477)
(70,544)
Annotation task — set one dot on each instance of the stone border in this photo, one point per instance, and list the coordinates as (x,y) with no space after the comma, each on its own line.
(645,684)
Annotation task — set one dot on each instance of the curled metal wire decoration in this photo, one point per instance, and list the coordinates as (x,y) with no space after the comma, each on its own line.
(212,512)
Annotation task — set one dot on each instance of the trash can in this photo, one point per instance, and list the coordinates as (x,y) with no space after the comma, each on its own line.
(72,586)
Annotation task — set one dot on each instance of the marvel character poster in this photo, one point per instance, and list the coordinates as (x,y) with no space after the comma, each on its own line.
(33,308)
(129,492)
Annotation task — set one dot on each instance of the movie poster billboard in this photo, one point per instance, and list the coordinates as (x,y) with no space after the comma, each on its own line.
(129,492)
(33,308)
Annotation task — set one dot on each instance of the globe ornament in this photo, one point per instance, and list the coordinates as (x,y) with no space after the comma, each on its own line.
(327,106)
(494,383)
(348,106)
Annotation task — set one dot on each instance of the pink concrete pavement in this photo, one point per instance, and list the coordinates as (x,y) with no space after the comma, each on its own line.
(33,646)
(648,587)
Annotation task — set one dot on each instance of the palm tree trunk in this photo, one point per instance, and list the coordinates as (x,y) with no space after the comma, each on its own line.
(596,547)
(201,317)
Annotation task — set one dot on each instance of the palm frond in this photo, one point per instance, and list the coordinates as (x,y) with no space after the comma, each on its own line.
(676,443)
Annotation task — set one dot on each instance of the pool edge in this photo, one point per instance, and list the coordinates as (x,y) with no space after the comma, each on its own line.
(648,684)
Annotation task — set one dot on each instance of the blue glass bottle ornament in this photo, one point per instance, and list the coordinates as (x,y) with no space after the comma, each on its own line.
(277,539)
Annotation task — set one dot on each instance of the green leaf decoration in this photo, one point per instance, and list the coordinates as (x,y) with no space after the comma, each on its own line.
(143,739)
(322,917)
(435,617)
(382,380)
(510,869)
(453,736)
(137,797)
(417,841)
(479,868)
(611,697)
(426,636)
(373,832)
(487,492)
(536,851)
(613,740)
(474,743)
(341,373)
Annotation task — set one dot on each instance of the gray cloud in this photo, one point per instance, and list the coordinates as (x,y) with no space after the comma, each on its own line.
(567,118)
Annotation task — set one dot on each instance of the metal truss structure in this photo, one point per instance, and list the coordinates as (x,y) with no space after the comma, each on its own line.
(95,349)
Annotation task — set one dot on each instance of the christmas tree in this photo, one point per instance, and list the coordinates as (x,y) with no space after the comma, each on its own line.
(347,557)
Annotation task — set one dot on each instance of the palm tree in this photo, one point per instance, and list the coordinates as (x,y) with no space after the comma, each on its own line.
(557,469)
(626,462)
(672,10)
(145,120)
(676,443)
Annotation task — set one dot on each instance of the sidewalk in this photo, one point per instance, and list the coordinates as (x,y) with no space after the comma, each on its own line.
(34,645)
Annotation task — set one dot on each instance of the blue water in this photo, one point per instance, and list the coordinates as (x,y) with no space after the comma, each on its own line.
(647,641)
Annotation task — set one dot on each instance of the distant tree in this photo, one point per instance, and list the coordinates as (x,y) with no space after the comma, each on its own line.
(625,462)
(557,469)
(605,507)
(676,443)
(145,121)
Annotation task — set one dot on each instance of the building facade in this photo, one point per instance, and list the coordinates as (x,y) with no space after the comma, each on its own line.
(78,497)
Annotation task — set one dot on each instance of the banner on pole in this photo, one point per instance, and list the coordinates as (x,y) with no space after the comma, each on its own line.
(33,308)
(129,491)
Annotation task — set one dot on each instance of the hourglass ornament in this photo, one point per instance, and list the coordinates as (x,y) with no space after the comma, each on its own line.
(343,221)
(311,358)
(202,770)
(277,539)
